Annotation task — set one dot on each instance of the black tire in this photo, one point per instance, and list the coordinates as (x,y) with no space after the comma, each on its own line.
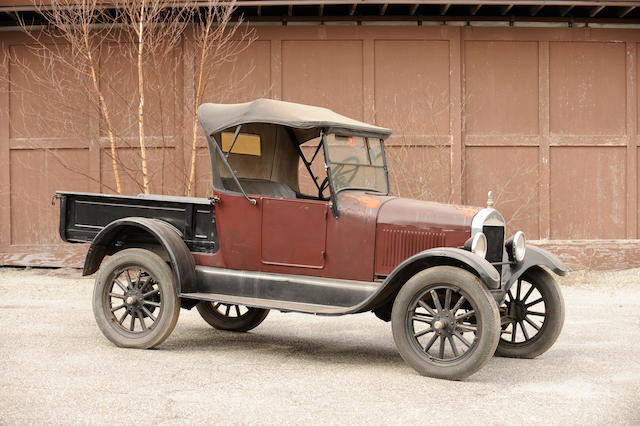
(528,333)
(146,300)
(230,317)
(455,290)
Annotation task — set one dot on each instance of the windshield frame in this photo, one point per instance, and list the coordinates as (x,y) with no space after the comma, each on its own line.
(329,163)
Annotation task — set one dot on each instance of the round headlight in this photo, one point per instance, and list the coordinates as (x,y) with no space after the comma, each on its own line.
(518,246)
(479,245)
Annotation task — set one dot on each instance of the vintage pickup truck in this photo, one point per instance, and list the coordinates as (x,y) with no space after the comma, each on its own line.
(454,288)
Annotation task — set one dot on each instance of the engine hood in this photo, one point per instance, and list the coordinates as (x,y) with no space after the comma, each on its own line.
(400,227)
(426,214)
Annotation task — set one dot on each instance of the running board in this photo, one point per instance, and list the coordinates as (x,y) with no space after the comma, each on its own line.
(279,305)
(298,293)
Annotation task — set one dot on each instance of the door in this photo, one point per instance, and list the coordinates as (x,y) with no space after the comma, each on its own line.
(294,232)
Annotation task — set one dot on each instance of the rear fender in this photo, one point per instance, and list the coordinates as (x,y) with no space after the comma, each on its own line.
(165,235)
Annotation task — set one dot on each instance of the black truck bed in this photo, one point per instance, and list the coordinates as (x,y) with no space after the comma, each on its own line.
(84,215)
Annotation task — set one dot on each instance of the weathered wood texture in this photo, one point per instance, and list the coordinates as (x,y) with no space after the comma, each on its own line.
(599,255)
(45,255)
(547,118)
(577,254)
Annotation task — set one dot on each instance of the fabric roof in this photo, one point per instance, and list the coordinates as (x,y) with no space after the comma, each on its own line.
(217,117)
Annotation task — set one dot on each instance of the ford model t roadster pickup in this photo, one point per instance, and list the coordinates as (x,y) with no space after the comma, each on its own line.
(454,288)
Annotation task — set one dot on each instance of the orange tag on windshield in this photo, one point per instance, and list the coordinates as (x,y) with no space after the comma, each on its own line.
(351,144)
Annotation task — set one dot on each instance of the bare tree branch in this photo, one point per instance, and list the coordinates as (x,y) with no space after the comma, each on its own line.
(217,41)
(83,54)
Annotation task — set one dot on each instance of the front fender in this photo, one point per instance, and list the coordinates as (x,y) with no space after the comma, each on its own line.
(455,257)
(427,259)
(166,235)
(535,256)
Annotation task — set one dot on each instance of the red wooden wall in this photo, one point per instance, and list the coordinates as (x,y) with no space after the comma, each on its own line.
(545,117)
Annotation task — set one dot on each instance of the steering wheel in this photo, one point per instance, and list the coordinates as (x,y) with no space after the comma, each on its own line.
(339,175)
(344,177)
(323,187)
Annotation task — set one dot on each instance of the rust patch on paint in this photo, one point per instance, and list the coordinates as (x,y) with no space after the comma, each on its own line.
(366,201)
(362,204)
(468,211)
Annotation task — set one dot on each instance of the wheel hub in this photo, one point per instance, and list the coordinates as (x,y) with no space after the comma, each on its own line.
(133,298)
(443,324)
(518,310)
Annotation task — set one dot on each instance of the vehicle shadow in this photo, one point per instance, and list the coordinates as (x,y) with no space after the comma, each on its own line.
(325,349)
(337,348)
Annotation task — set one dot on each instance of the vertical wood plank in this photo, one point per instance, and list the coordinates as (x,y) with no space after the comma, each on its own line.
(544,167)
(368,79)
(455,112)
(5,184)
(632,147)
(95,143)
(188,99)
(276,67)
(180,135)
(95,146)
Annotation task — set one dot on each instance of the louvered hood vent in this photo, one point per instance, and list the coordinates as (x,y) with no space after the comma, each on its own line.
(398,244)
(406,227)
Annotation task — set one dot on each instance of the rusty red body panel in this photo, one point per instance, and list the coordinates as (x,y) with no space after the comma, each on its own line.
(284,221)
(296,236)
(427,214)
(406,227)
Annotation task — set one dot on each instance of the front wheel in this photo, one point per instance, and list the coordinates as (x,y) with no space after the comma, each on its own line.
(225,316)
(445,324)
(134,299)
(534,315)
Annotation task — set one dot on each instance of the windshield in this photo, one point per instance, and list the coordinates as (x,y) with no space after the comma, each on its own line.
(357,162)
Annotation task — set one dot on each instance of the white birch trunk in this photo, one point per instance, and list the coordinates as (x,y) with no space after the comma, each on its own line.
(143,152)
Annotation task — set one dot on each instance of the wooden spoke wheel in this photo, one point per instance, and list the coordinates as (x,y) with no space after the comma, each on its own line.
(230,317)
(533,316)
(134,299)
(445,323)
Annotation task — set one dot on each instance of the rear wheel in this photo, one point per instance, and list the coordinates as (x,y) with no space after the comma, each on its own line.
(225,316)
(445,324)
(135,303)
(534,316)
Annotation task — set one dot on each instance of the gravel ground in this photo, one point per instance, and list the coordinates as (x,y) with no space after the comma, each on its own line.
(56,367)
